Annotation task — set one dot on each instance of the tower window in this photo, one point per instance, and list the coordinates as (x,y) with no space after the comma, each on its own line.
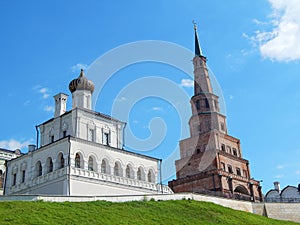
(52,138)
(228,149)
(238,171)
(216,105)
(230,169)
(64,133)
(223,166)
(222,127)
(197,104)
(234,152)
(223,147)
(206,103)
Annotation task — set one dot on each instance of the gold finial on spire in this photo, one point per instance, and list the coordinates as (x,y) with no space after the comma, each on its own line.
(195,24)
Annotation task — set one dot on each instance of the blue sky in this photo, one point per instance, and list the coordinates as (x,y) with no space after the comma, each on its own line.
(251,47)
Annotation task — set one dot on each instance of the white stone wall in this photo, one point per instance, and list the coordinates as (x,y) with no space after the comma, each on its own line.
(78,122)
(56,127)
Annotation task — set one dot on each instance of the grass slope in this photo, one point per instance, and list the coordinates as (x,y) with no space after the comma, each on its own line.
(151,212)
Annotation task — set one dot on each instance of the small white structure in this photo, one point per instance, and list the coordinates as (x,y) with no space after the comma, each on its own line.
(6,155)
(288,194)
(81,154)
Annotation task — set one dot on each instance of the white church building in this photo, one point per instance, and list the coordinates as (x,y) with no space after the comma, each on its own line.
(81,154)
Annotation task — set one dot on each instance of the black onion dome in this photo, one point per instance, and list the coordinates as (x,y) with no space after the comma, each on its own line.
(81,83)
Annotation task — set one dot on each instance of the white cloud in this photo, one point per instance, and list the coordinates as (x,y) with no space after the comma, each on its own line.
(36,87)
(42,90)
(45,95)
(122,99)
(187,83)
(297,172)
(279,176)
(256,21)
(48,108)
(78,67)
(27,103)
(13,144)
(231,97)
(279,167)
(282,42)
(157,108)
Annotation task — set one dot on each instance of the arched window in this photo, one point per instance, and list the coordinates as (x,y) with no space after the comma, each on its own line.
(91,164)
(38,169)
(77,160)
(62,161)
(118,169)
(241,189)
(140,174)
(151,177)
(103,166)
(129,171)
(49,165)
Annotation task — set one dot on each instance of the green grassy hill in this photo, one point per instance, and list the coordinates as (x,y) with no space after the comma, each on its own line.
(145,212)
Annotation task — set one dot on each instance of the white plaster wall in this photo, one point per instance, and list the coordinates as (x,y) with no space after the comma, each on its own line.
(57,187)
(86,120)
(78,187)
(56,127)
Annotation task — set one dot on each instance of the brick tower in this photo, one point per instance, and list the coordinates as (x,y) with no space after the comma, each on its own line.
(211,160)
